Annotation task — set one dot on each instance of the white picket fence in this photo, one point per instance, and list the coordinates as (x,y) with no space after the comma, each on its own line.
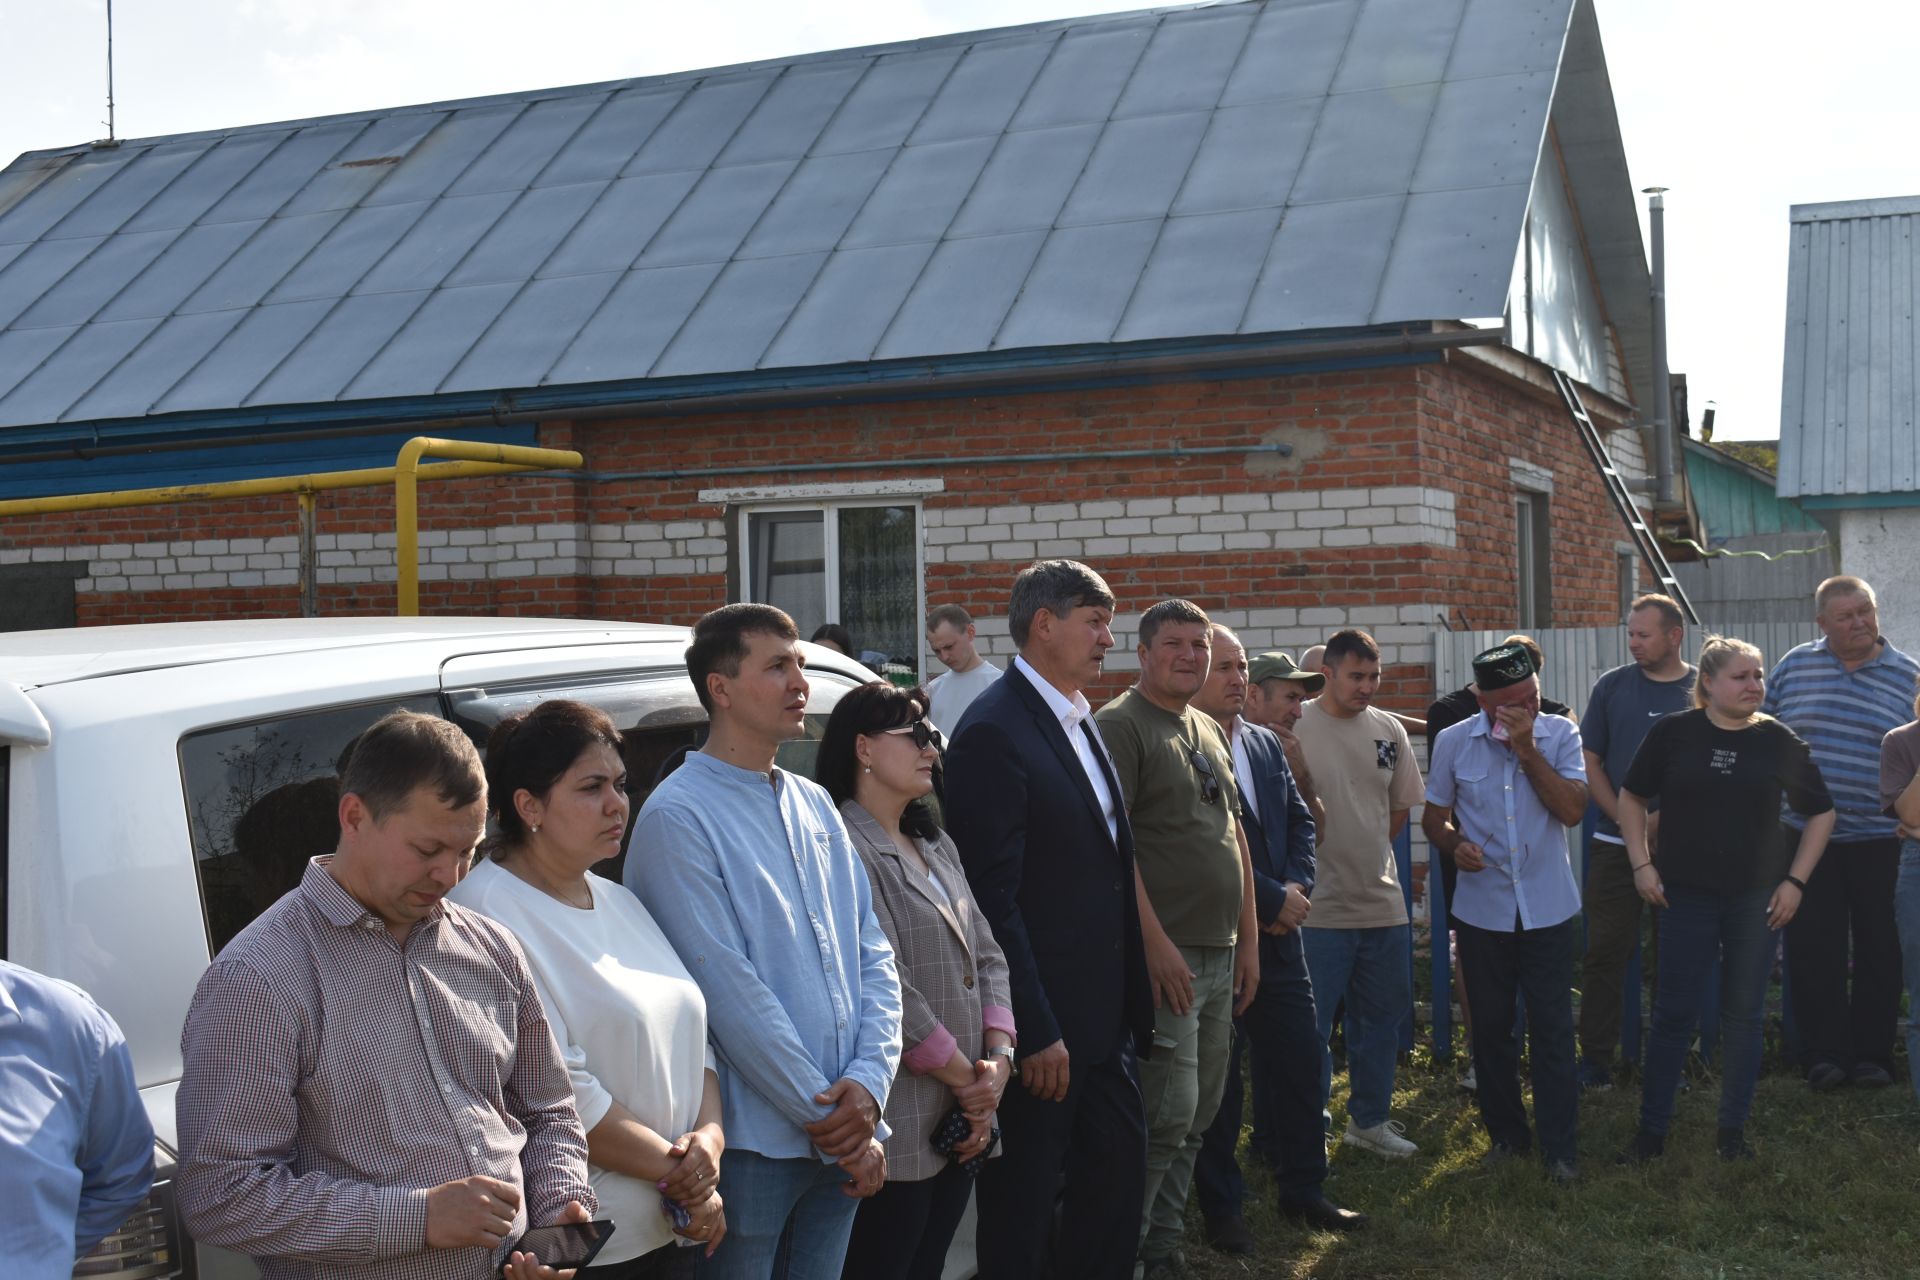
(1576,657)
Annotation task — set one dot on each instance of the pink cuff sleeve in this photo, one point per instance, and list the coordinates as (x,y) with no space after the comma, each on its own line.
(995,1017)
(932,1053)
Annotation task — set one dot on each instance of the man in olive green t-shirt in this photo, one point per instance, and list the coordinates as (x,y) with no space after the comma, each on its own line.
(1357,942)
(1194,880)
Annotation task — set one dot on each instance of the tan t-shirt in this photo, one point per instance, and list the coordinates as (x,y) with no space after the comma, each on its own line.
(1363,769)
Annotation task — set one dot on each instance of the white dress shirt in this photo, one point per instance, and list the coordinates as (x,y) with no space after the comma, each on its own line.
(1075,715)
(1243,768)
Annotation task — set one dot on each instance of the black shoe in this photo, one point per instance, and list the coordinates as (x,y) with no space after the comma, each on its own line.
(1732,1145)
(1824,1077)
(1871,1075)
(1498,1154)
(1563,1172)
(1322,1214)
(1229,1234)
(1644,1147)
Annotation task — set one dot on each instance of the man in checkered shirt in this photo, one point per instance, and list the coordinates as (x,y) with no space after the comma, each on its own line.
(369,1084)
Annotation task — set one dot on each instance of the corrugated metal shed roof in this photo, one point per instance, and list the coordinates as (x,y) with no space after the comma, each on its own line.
(1244,168)
(1848,394)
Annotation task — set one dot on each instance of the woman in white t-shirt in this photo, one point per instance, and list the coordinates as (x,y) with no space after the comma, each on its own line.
(629,1020)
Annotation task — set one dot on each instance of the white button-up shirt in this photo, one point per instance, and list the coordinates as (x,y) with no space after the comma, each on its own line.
(1529,875)
(1076,715)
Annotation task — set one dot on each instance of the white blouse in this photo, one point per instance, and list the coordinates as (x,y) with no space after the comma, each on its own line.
(630,1022)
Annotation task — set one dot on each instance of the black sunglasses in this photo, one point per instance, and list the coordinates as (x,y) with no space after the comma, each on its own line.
(924,735)
(1209,780)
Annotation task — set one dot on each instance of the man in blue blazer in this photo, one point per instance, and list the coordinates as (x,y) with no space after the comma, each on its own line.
(1035,806)
(1280,1024)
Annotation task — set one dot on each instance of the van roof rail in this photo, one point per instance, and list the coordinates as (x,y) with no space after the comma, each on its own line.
(21,722)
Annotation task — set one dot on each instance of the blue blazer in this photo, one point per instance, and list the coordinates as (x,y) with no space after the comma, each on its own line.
(1054,884)
(1280,838)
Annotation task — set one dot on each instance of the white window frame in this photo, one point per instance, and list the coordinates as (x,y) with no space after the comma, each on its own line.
(830,545)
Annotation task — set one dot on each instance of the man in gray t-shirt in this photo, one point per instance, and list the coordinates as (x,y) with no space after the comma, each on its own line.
(1623,705)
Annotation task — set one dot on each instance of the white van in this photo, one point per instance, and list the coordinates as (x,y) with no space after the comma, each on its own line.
(162,785)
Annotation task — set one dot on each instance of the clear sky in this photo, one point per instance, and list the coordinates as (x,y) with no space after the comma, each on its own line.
(1740,109)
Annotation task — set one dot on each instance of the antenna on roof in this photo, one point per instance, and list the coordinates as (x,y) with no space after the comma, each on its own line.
(111,140)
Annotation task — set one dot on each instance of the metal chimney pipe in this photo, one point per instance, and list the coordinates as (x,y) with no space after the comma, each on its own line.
(1662,392)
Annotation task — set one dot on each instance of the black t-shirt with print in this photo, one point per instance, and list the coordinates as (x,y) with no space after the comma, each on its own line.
(1720,792)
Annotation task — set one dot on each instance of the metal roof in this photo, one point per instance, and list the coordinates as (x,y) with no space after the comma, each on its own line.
(1848,392)
(1245,168)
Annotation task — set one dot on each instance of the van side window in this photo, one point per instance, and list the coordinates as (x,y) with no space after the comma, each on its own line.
(659,718)
(263,798)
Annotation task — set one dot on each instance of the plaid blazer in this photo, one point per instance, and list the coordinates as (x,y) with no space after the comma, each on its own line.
(953,981)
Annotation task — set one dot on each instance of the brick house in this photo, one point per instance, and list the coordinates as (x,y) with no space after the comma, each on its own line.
(1256,303)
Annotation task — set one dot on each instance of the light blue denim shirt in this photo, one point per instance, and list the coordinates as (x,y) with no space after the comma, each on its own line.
(76,1150)
(1528,872)
(758,887)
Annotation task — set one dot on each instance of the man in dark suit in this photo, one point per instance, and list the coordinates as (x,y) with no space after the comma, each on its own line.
(1035,806)
(1288,1127)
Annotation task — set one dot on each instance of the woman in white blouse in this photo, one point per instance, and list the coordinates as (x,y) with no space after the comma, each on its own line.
(630,1022)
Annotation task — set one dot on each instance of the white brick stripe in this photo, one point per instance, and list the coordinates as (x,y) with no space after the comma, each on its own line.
(1405,515)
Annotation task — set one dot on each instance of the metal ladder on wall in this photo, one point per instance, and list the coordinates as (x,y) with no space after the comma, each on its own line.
(1643,535)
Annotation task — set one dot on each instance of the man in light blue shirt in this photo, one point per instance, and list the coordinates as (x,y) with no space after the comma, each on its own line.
(750,873)
(1501,790)
(76,1149)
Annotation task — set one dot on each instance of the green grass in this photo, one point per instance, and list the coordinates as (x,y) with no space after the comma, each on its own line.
(1832,1194)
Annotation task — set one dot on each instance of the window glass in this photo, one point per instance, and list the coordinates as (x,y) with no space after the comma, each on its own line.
(880,583)
(262,799)
(787,559)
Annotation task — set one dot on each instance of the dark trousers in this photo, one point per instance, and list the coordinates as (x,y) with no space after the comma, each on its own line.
(902,1231)
(1613,909)
(668,1262)
(1288,1128)
(1537,963)
(1695,930)
(1088,1154)
(1849,893)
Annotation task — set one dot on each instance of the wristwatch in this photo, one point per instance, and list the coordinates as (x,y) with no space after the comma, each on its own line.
(1005,1051)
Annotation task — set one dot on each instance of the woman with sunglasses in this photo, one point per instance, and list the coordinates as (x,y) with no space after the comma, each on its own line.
(877,760)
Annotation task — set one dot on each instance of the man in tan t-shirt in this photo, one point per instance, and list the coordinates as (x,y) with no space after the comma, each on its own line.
(1357,941)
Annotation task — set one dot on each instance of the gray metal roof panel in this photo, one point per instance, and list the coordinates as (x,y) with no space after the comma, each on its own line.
(845,312)
(86,356)
(432,341)
(1197,280)
(888,102)
(1025,184)
(620,223)
(1850,415)
(341,345)
(813,210)
(23,350)
(1185,67)
(736,322)
(635,324)
(1136,169)
(180,342)
(83,291)
(228,373)
(962,297)
(1080,285)
(533,331)
(870,203)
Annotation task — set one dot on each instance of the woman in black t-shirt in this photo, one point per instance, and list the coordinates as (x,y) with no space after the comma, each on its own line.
(1720,772)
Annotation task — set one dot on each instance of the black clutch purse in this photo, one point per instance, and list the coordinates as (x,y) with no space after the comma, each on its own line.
(953,1130)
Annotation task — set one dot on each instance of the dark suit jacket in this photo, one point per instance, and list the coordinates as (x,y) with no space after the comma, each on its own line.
(1280,838)
(1054,884)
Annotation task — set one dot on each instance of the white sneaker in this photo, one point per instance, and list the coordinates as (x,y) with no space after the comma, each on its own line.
(1383,1139)
(1469,1083)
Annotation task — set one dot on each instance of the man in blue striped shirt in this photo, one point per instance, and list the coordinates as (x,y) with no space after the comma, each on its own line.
(1842,693)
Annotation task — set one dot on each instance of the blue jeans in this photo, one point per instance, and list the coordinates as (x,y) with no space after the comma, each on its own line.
(1371,969)
(1695,929)
(1906,911)
(764,1198)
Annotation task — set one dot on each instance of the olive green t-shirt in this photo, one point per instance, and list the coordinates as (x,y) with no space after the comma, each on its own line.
(1184,845)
